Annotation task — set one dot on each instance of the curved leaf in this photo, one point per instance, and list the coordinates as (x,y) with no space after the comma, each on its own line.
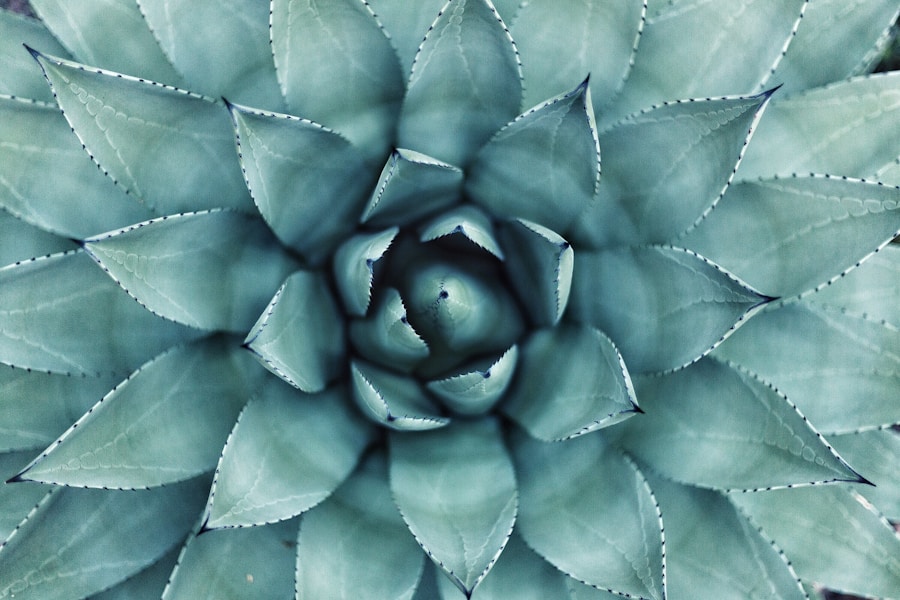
(476,390)
(876,454)
(467,221)
(18,74)
(353,267)
(392,400)
(19,498)
(148,583)
(406,23)
(466,83)
(20,241)
(657,293)
(287,452)
(589,511)
(385,336)
(544,166)
(572,381)
(457,492)
(179,408)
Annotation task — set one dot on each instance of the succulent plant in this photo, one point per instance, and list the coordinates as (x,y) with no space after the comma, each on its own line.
(551,299)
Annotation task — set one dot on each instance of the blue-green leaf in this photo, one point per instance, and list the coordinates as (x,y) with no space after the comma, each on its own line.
(300,335)
(386,337)
(406,23)
(572,381)
(475,389)
(213,270)
(465,84)
(643,296)
(20,241)
(18,74)
(287,452)
(17,499)
(589,511)
(457,492)
(876,455)
(394,401)
(354,268)
(467,221)
(146,584)
(178,408)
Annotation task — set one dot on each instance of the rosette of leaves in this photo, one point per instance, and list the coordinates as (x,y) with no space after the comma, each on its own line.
(559,299)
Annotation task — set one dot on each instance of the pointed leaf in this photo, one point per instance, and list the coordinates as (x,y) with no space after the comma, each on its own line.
(148,583)
(715,426)
(467,221)
(406,23)
(544,166)
(287,452)
(786,221)
(178,408)
(51,305)
(392,400)
(659,293)
(308,182)
(18,74)
(300,336)
(77,200)
(191,34)
(457,492)
(237,564)
(355,544)
(353,267)
(475,390)
(385,335)
(20,241)
(841,370)
(465,83)
(876,455)
(588,510)
(79,542)
(209,270)
(540,269)
(832,535)
(338,47)
(19,498)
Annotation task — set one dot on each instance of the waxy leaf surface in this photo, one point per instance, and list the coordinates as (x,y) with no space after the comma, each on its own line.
(475,390)
(876,455)
(385,335)
(18,76)
(353,267)
(21,241)
(393,400)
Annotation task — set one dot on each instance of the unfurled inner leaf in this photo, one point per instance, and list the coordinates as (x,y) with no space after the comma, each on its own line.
(385,335)
(394,401)
(353,268)
(475,390)
(466,221)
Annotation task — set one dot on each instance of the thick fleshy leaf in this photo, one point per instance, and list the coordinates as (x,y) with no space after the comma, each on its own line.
(876,455)
(308,182)
(715,426)
(385,335)
(666,167)
(406,23)
(18,74)
(766,231)
(392,400)
(146,584)
(16,499)
(412,185)
(832,535)
(476,389)
(77,201)
(539,268)
(544,166)
(256,563)
(337,67)
(110,34)
(79,542)
(663,307)
(572,381)
(355,544)
(841,370)
(191,33)
(466,83)
(562,41)
(300,336)
(354,268)
(589,511)
(170,149)
(50,306)
(287,452)
(213,270)
(848,128)
(457,492)
(714,553)
(20,241)
(466,221)
(179,408)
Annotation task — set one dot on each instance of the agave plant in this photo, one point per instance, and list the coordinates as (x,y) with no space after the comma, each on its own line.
(396,299)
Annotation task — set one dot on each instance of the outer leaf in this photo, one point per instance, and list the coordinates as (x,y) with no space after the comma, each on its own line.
(211,270)
(457,492)
(20,241)
(385,335)
(876,454)
(300,336)
(238,564)
(355,545)
(589,512)
(16,499)
(659,293)
(18,77)
(392,400)
(841,370)
(476,390)
(572,381)
(77,201)
(170,149)
(287,453)
(666,167)
(338,46)
(406,23)
(467,221)
(353,267)
(714,426)
(110,34)
(786,221)
(50,306)
(308,182)
(544,166)
(146,584)
(79,542)
(832,536)
(191,34)
(465,83)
